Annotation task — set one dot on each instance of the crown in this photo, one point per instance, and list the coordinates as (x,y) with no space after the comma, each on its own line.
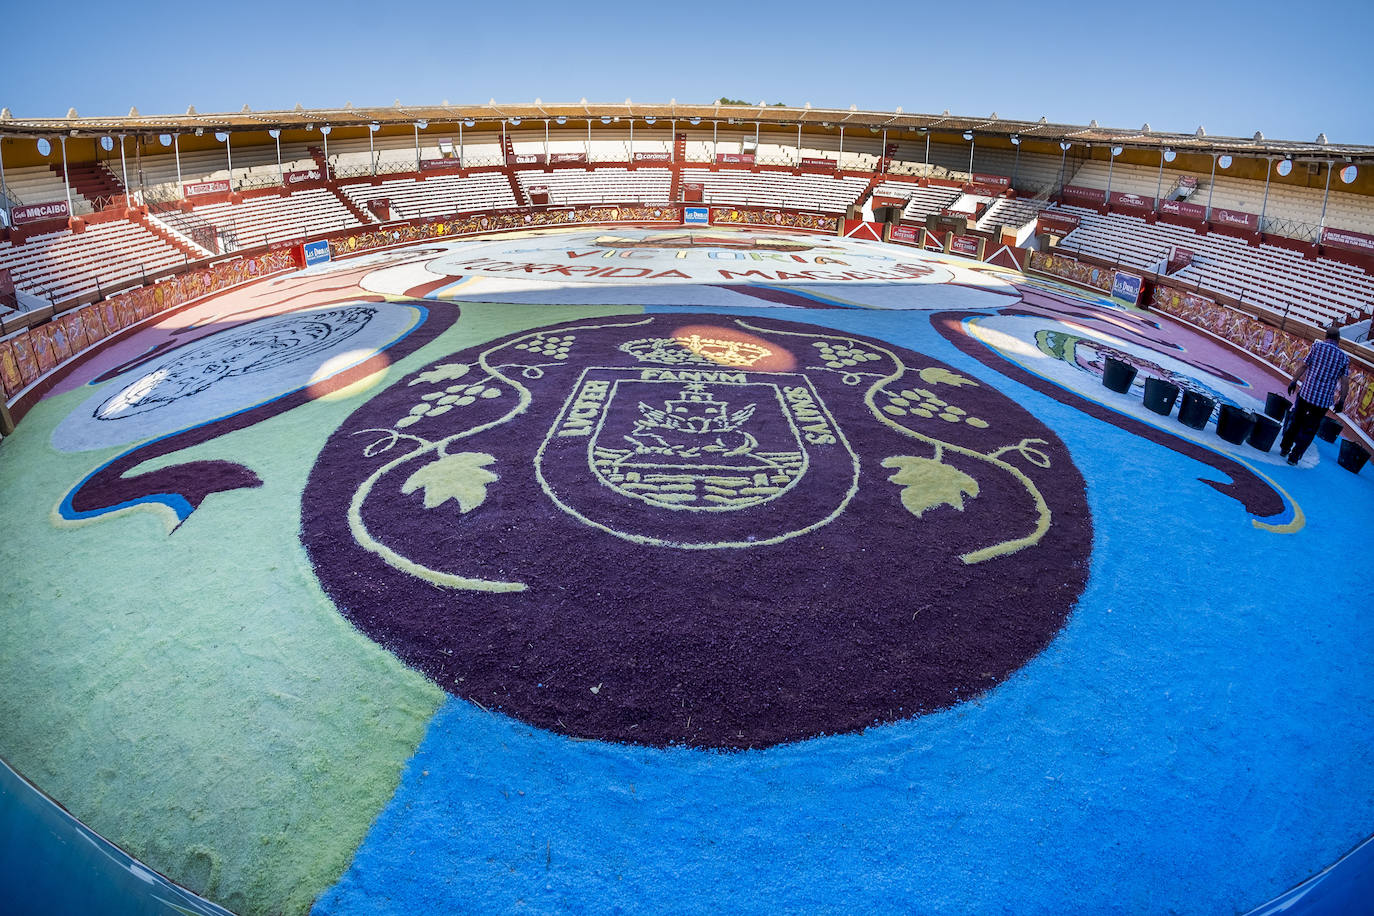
(695,349)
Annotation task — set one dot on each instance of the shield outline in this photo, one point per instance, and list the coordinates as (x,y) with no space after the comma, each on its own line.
(771,378)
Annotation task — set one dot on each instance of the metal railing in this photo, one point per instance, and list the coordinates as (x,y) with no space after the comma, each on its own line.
(1291,228)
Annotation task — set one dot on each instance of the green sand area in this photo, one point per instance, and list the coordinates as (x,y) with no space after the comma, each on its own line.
(194,696)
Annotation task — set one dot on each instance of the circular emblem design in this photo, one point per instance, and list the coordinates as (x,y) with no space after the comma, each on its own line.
(700,530)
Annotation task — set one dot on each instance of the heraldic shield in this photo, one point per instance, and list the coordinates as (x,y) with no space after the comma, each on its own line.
(697,458)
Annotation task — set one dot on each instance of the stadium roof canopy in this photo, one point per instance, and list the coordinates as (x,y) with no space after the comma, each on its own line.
(492,113)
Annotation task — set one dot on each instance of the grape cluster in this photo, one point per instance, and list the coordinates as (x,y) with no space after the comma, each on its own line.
(437,403)
(842,356)
(552,347)
(921,402)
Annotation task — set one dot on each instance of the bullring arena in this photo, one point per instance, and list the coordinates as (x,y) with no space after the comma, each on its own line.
(599,508)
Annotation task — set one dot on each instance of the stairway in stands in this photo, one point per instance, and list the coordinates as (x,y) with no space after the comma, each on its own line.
(520,199)
(359,213)
(183,243)
(679,156)
(93,182)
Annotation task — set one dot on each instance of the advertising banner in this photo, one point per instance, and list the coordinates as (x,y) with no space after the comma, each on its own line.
(888,202)
(565,158)
(1054,223)
(1082,197)
(1000,182)
(653,157)
(1192,212)
(293,178)
(809,162)
(37,213)
(1189,182)
(316,253)
(430,165)
(906,234)
(201,188)
(696,216)
(526,159)
(10,379)
(1126,287)
(1132,203)
(735,158)
(966,245)
(1332,238)
(1179,258)
(1246,221)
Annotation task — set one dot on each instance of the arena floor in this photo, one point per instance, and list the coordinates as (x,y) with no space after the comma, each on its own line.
(686,571)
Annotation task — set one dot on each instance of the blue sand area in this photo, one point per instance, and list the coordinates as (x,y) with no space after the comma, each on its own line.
(1195,740)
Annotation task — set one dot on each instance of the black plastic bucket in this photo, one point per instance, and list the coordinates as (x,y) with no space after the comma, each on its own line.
(1266,430)
(1352,456)
(1160,395)
(1276,406)
(1117,375)
(1329,429)
(1234,423)
(1196,410)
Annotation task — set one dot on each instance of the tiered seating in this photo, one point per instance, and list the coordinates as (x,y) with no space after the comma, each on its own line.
(275,219)
(61,265)
(39,184)
(1009,211)
(605,185)
(254,166)
(438,195)
(921,202)
(777,189)
(1285,202)
(1275,278)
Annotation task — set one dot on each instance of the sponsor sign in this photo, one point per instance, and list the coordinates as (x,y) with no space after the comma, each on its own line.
(1179,208)
(1179,258)
(1060,224)
(966,245)
(380,207)
(696,216)
(1188,181)
(653,157)
(905,234)
(429,165)
(1082,197)
(201,188)
(1237,218)
(888,201)
(526,159)
(291,178)
(557,158)
(316,253)
(811,162)
(37,213)
(1000,182)
(735,158)
(1347,240)
(1126,287)
(1133,203)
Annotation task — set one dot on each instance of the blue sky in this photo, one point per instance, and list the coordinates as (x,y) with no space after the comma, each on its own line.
(1275,67)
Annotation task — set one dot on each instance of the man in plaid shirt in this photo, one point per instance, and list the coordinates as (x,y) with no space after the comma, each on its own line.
(1325,377)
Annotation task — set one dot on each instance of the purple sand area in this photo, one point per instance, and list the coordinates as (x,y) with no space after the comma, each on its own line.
(742,633)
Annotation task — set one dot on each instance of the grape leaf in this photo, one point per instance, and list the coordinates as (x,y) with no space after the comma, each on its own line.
(462,478)
(444,373)
(934,375)
(927,483)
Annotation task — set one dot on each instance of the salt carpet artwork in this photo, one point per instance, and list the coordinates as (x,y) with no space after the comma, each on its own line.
(460,578)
